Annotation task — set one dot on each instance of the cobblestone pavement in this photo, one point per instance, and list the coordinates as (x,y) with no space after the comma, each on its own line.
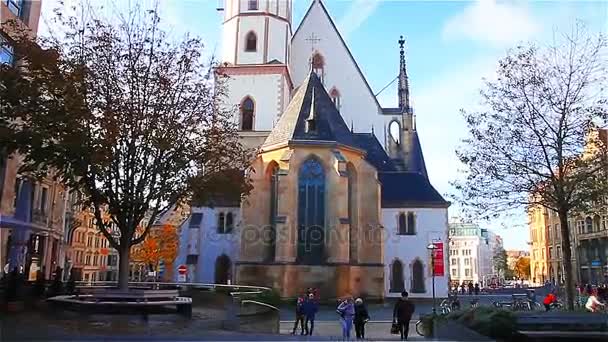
(374,331)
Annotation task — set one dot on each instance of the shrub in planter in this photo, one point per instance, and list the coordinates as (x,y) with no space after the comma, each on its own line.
(492,322)
(429,322)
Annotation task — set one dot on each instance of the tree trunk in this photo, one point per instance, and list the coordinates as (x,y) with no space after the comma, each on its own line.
(123,266)
(567,258)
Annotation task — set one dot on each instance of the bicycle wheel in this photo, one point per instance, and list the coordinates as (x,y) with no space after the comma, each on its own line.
(420,328)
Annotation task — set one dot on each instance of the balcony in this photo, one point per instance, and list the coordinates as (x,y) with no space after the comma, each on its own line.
(593,235)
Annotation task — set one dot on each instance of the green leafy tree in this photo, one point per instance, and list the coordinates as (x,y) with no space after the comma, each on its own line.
(124,114)
(500,262)
(533,143)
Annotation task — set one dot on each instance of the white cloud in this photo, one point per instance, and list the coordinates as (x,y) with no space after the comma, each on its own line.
(489,22)
(356,15)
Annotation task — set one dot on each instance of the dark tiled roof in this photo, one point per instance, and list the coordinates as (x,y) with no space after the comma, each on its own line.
(375,154)
(310,101)
(399,188)
(414,160)
(392,111)
(408,189)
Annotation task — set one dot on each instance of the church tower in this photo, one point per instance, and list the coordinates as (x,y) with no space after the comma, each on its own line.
(255,56)
(404,145)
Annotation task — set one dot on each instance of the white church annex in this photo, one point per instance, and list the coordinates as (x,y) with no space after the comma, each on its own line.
(266,62)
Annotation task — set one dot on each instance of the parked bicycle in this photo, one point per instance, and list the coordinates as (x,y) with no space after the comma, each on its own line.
(420,328)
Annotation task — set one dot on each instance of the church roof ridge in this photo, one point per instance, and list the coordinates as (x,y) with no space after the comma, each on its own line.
(311,99)
(312,3)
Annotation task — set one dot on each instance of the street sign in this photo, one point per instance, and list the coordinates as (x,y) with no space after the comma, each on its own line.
(438,269)
(182,269)
(181,278)
(596,263)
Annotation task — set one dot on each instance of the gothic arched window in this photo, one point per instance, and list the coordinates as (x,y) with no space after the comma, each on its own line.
(394,131)
(411,224)
(247,111)
(352,212)
(311,212)
(229,223)
(589,224)
(417,277)
(318,65)
(397,281)
(335,97)
(402,224)
(251,42)
(221,219)
(273,174)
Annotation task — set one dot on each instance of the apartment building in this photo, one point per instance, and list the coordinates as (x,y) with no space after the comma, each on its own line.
(471,251)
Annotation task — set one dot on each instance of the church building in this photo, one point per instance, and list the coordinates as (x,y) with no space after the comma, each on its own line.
(333,206)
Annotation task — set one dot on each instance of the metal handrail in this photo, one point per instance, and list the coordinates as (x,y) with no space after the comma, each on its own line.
(272,307)
(256,289)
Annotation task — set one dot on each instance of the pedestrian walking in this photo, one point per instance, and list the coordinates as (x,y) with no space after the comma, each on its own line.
(310,308)
(361,317)
(402,314)
(299,316)
(470,288)
(346,310)
(462,290)
(477,289)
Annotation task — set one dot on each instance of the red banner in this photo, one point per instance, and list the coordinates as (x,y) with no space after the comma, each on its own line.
(438,270)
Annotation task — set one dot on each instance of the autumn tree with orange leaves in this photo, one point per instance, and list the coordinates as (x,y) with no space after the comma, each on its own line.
(160,244)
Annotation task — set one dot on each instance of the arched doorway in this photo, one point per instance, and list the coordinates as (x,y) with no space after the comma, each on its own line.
(397,282)
(311,212)
(417,277)
(223,266)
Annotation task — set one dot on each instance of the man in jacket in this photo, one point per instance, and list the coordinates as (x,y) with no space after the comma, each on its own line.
(402,314)
(310,308)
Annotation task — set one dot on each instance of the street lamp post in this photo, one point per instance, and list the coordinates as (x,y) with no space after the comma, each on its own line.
(431,247)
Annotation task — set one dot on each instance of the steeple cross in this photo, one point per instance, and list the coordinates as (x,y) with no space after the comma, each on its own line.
(313,39)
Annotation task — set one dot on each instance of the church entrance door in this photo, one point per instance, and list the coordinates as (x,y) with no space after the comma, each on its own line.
(222,269)
(311,212)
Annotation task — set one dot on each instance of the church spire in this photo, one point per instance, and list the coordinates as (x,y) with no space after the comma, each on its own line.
(404,87)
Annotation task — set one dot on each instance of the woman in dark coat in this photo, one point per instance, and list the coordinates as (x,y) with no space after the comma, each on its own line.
(361,317)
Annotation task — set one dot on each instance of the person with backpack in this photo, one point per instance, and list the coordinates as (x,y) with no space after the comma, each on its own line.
(361,317)
(402,314)
(299,316)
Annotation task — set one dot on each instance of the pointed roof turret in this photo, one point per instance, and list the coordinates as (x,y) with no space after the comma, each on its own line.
(404,87)
(310,116)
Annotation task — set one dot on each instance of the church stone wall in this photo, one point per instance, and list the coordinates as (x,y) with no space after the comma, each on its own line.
(338,275)
(332,281)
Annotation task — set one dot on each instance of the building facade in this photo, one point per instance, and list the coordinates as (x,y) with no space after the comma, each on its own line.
(30,230)
(538,220)
(471,254)
(333,206)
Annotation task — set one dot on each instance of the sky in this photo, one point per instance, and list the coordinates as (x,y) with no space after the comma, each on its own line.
(451,46)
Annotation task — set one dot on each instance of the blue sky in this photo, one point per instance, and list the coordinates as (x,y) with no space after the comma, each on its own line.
(451,45)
